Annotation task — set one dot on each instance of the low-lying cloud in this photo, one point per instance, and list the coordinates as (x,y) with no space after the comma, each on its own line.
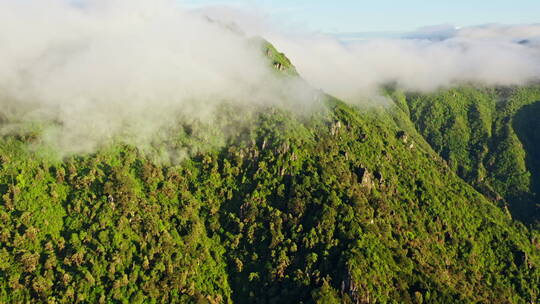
(350,69)
(428,59)
(103,69)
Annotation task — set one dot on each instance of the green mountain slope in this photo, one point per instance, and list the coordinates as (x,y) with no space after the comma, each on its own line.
(342,205)
(489,137)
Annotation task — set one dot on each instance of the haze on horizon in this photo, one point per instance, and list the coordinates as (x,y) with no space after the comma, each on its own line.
(384,16)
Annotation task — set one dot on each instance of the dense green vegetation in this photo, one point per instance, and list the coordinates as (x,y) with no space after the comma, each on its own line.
(340,206)
(489,136)
(343,205)
(526,124)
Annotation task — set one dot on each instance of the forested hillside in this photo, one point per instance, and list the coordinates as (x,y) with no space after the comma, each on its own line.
(490,137)
(342,205)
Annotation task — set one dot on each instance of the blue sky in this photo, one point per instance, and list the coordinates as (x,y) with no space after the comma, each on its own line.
(389,15)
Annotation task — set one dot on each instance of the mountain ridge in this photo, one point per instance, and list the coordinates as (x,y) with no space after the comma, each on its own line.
(347,204)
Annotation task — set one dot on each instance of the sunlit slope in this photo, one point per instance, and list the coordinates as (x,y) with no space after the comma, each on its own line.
(489,137)
(336,205)
(340,204)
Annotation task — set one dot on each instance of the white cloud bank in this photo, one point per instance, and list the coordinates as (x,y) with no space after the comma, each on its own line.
(104,69)
(348,70)
(431,58)
(108,68)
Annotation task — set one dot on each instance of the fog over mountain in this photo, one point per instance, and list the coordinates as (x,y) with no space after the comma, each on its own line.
(151,152)
(427,59)
(104,69)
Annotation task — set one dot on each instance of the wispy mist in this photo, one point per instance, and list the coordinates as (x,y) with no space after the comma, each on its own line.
(126,69)
(469,56)
(428,59)
(104,69)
